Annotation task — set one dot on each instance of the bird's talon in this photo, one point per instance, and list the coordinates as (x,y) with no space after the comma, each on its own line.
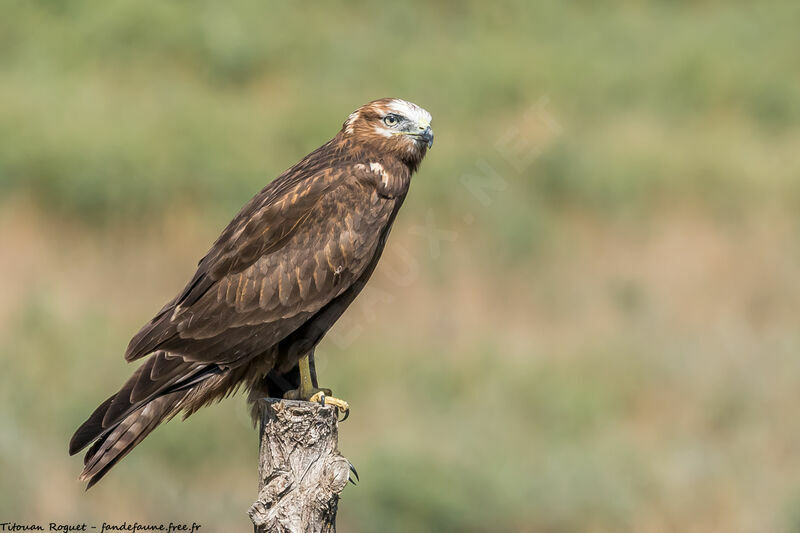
(323,399)
(318,397)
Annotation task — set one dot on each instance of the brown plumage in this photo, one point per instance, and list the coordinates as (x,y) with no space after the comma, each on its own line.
(279,276)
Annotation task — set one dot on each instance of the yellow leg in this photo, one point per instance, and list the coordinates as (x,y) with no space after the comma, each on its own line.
(308,392)
(306,387)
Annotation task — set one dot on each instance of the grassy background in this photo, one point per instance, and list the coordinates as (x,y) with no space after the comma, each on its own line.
(587,315)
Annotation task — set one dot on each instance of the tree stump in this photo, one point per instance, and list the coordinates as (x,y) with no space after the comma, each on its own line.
(301,473)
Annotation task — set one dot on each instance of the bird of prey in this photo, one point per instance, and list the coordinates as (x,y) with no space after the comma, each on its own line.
(277,278)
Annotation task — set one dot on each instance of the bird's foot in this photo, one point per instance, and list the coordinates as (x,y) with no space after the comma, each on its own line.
(326,399)
(322,396)
(304,395)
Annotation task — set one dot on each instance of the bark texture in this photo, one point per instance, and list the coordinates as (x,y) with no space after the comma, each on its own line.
(301,473)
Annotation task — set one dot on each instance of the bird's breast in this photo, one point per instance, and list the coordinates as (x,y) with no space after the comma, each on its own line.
(387,179)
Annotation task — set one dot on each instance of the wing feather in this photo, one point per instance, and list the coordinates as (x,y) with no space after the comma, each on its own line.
(294,248)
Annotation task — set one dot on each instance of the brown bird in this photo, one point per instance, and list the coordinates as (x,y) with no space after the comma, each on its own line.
(282,272)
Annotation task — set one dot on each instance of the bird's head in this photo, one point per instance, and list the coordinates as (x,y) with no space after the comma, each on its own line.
(391,126)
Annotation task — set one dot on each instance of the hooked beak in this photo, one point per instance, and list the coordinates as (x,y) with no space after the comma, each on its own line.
(426,136)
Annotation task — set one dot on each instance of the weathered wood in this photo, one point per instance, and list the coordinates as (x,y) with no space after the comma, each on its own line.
(301,473)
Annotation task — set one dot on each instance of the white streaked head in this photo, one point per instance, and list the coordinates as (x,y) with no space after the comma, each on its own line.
(411,111)
(391,125)
(402,108)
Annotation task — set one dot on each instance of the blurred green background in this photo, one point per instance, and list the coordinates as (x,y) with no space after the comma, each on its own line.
(587,315)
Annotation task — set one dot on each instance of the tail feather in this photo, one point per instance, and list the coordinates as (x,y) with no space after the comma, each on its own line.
(129,432)
(160,388)
(90,429)
(161,374)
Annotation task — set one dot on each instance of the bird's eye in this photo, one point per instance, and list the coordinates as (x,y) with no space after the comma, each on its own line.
(390,120)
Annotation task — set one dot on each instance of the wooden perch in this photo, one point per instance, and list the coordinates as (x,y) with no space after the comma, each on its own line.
(301,473)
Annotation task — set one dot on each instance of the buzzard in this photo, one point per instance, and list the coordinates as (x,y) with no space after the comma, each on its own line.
(277,278)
